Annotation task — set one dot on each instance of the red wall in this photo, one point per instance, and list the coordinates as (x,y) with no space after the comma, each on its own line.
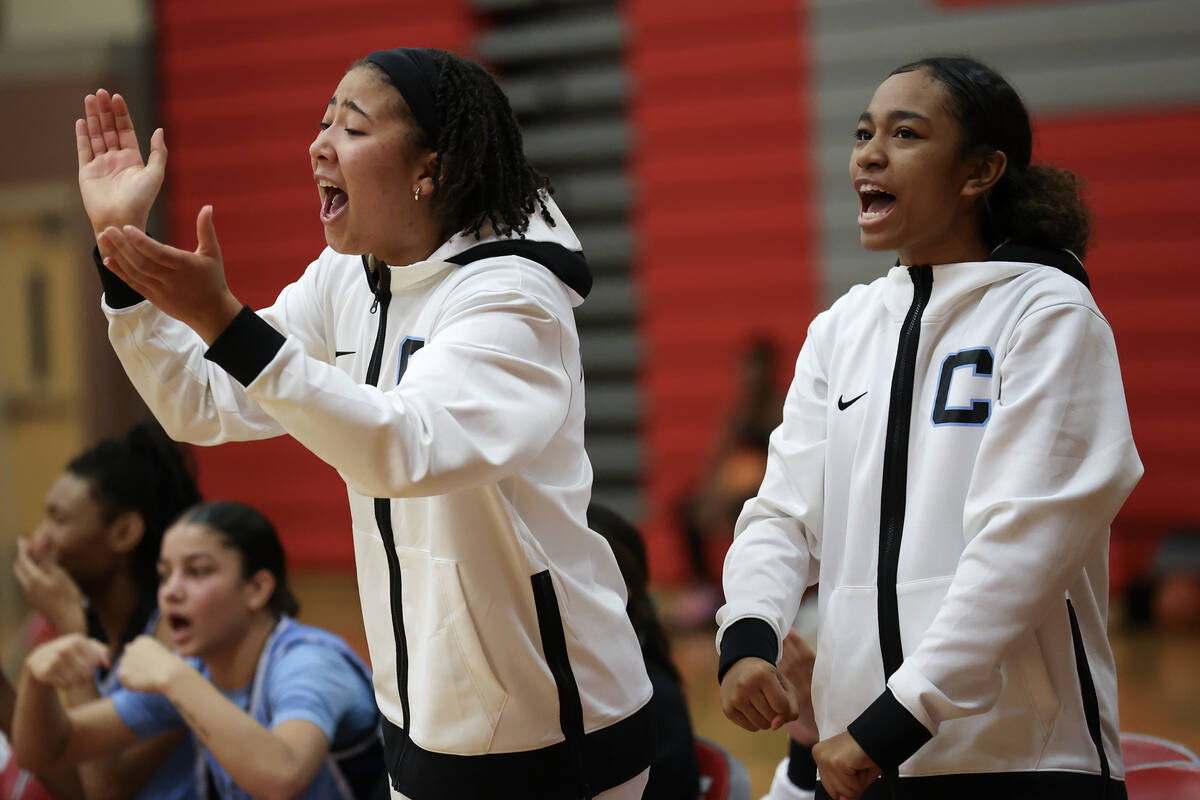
(243,86)
(725,221)
(725,224)
(1144,276)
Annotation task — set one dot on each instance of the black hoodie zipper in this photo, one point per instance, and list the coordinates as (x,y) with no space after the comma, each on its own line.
(895,470)
(382,287)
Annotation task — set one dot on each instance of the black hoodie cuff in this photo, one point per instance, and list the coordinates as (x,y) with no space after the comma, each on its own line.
(801,769)
(117,293)
(888,732)
(745,638)
(246,346)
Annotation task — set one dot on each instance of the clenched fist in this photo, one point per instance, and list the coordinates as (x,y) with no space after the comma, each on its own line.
(846,771)
(68,661)
(147,666)
(754,696)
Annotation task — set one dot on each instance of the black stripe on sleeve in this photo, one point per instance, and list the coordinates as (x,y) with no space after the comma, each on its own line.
(246,346)
(117,293)
(888,732)
(745,638)
(802,769)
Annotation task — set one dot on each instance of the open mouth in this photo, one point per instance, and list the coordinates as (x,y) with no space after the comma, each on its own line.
(875,203)
(334,201)
(180,626)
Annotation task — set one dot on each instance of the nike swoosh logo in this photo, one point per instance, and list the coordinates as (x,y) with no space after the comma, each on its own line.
(844,404)
(340,353)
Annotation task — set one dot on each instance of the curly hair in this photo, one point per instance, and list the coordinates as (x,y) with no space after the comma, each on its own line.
(145,472)
(480,174)
(1034,205)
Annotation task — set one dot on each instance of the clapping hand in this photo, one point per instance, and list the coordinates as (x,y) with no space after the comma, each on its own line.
(189,286)
(118,188)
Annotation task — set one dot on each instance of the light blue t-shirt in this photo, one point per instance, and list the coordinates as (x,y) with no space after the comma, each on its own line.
(175,778)
(308,681)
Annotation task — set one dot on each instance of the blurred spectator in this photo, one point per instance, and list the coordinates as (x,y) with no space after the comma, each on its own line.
(277,708)
(674,774)
(731,476)
(1168,596)
(90,568)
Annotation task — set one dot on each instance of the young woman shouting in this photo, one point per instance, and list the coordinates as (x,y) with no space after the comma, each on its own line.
(955,444)
(430,356)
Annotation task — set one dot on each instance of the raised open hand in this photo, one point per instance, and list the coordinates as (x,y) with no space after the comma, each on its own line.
(118,188)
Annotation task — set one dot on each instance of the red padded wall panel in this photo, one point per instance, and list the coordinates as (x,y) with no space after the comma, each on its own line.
(725,220)
(1143,267)
(243,86)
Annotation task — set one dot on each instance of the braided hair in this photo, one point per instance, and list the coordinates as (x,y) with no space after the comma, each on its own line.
(145,472)
(480,174)
(1031,204)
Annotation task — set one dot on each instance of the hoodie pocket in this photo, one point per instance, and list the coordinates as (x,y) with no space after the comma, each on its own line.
(1028,669)
(457,700)
(919,602)
(848,673)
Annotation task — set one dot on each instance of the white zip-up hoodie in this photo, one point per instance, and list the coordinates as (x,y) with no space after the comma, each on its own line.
(955,445)
(449,396)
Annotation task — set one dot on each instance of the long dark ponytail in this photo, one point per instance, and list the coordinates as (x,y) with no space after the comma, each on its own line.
(252,535)
(630,551)
(1031,204)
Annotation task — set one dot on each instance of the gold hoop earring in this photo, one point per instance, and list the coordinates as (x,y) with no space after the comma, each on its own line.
(417,193)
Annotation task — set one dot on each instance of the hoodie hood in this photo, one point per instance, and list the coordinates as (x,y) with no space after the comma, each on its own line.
(538,231)
(953,284)
(556,248)
(1063,260)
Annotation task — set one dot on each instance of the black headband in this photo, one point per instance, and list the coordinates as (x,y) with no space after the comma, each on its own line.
(415,74)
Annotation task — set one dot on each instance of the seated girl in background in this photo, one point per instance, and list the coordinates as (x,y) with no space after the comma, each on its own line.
(90,568)
(279,709)
(674,775)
